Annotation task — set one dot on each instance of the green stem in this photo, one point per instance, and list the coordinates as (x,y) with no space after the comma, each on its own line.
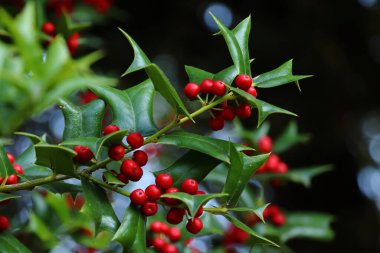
(33,183)
(110,187)
(216,210)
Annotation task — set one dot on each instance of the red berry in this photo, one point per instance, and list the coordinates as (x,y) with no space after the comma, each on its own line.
(199,212)
(206,85)
(200,193)
(239,235)
(165,228)
(110,129)
(282,168)
(170,248)
(248,152)
(219,88)
(272,163)
(243,111)
(171,201)
(174,234)
(135,140)
(11,158)
(175,215)
(252,91)
(85,231)
(191,90)
(140,157)
(138,197)
(131,170)
(116,152)
(149,208)
(164,180)
(194,226)
(4,223)
(189,186)
(156,227)
(2,180)
(270,211)
(87,96)
(216,124)
(12,179)
(48,28)
(278,219)
(228,113)
(122,178)
(159,243)
(73,43)
(84,154)
(18,168)
(243,81)
(265,144)
(153,192)
(262,169)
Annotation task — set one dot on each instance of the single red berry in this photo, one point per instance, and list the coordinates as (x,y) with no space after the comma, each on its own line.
(216,124)
(12,179)
(110,129)
(252,91)
(153,192)
(171,201)
(272,163)
(170,248)
(165,228)
(138,197)
(156,227)
(278,219)
(199,212)
(174,234)
(73,43)
(262,169)
(265,144)
(175,215)
(84,154)
(131,170)
(243,81)
(149,208)
(282,168)
(116,152)
(11,158)
(87,96)
(122,178)
(191,90)
(228,113)
(243,111)
(164,180)
(189,186)
(194,226)
(2,180)
(206,86)
(4,223)
(219,88)
(48,28)
(140,157)
(18,168)
(135,140)
(239,235)
(270,211)
(159,243)
(200,193)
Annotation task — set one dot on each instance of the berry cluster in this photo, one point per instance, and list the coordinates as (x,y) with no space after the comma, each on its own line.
(274,215)
(72,41)
(161,232)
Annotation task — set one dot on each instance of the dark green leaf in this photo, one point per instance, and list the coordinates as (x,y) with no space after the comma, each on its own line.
(98,207)
(101,241)
(57,158)
(264,109)
(34,138)
(132,231)
(6,168)
(227,75)
(112,179)
(9,244)
(194,202)
(258,210)
(82,121)
(61,187)
(289,138)
(279,76)
(197,75)
(6,196)
(241,32)
(193,165)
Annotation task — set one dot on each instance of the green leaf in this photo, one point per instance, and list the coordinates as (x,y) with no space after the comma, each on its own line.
(264,109)
(6,196)
(160,81)
(193,164)
(9,244)
(112,179)
(132,231)
(38,226)
(34,138)
(131,108)
(233,46)
(241,32)
(58,203)
(194,202)
(256,237)
(258,210)
(241,170)
(227,75)
(279,76)
(90,142)
(213,147)
(82,121)
(98,207)
(197,75)
(298,175)
(289,138)
(57,158)
(6,168)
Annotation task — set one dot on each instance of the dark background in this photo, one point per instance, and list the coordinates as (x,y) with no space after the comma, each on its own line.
(336,41)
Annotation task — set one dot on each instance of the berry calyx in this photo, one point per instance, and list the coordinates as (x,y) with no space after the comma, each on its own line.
(131,170)
(18,168)
(265,144)
(170,248)
(84,154)
(252,91)
(140,157)
(171,201)
(243,81)
(153,192)
(138,197)
(219,88)
(4,223)
(135,140)
(11,158)
(174,234)
(194,226)
(149,208)
(243,111)
(48,28)
(189,186)
(206,86)
(12,179)
(216,124)
(110,129)
(175,215)
(116,152)
(164,180)
(191,90)
(156,227)
(159,243)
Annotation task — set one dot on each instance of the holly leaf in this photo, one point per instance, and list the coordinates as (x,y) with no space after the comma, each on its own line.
(132,231)
(6,168)
(289,138)
(32,137)
(9,244)
(197,75)
(258,210)
(112,179)
(241,32)
(38,226)
(6,196)
(227,75)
